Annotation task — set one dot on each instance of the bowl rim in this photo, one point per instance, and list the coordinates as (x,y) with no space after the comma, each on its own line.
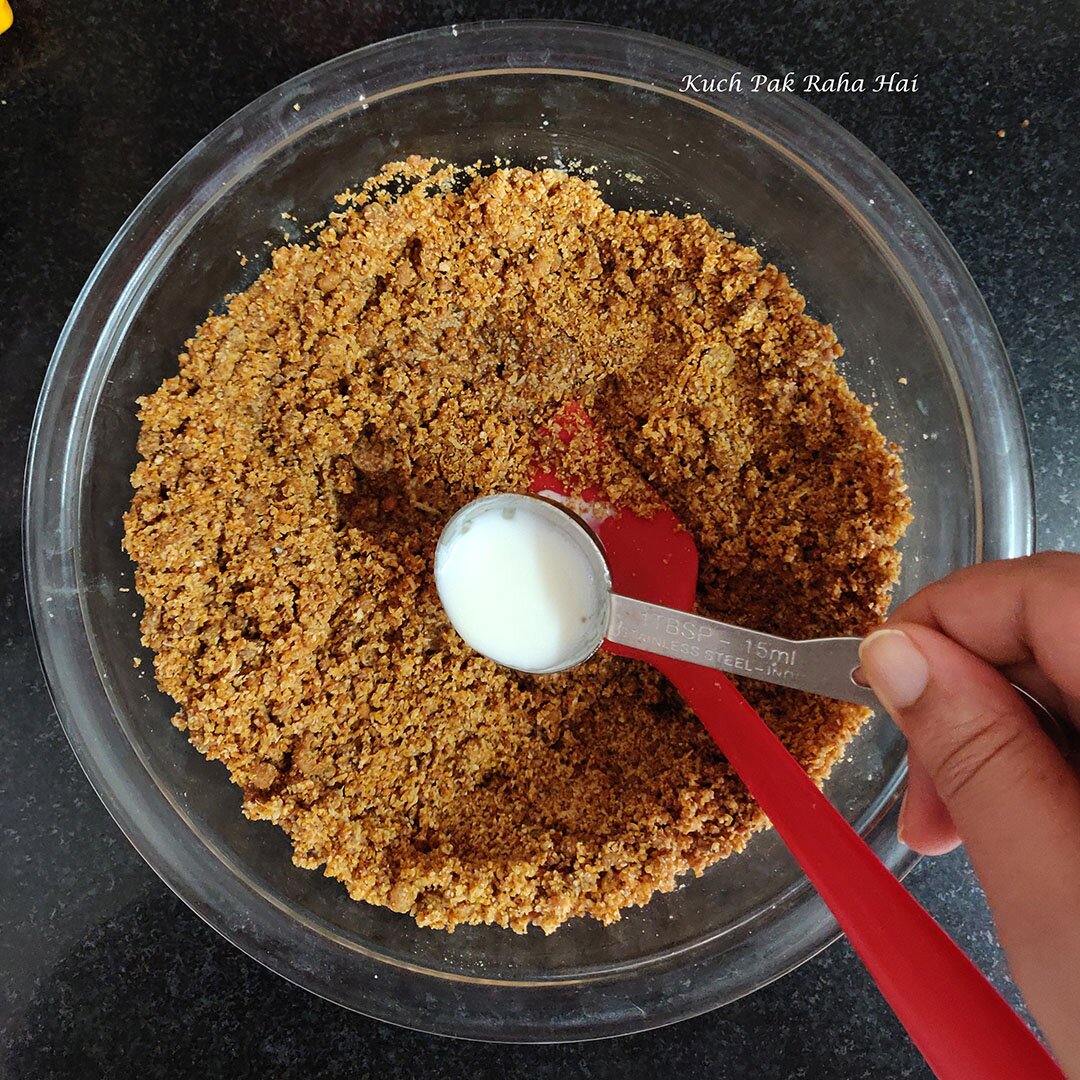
(481,1009)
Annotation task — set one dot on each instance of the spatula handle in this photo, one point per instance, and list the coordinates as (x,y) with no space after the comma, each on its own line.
(962,1026)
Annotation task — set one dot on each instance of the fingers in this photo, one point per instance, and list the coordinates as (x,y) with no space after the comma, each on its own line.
(925,824)
(1013,612)
(1012,798)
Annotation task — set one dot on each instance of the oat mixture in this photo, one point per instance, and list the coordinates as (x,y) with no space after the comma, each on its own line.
(297,471)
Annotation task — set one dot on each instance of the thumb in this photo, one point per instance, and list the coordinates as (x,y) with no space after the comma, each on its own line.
(988,758)
(1012,796)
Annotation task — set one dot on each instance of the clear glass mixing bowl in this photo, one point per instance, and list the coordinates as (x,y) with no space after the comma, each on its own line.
(768,167)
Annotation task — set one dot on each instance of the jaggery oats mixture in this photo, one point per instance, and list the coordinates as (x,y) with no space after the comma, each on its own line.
(296,473)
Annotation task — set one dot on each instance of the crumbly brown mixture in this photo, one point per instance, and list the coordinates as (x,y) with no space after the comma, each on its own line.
(297,471)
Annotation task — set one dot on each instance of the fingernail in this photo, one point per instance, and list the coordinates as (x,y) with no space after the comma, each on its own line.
(901,821)
(894,667)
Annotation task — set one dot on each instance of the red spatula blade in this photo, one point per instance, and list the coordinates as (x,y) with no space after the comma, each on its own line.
(651,558)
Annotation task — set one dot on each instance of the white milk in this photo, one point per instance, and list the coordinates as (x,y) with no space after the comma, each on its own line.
(518,589)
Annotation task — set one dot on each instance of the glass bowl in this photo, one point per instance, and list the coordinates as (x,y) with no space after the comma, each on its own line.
(768,167)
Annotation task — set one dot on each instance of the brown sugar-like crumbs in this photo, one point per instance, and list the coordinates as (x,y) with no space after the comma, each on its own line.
(296,472)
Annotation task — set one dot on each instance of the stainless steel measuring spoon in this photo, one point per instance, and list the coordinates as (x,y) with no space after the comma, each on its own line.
(823,666)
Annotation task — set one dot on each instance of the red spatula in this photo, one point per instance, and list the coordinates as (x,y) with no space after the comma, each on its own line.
(962,1026)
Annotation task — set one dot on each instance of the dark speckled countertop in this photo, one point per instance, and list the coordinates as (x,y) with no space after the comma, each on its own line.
(103,972)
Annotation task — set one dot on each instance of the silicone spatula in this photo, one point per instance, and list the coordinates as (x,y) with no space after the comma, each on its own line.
(961,1025)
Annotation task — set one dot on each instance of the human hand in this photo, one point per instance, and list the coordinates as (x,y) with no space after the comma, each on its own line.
(983,771)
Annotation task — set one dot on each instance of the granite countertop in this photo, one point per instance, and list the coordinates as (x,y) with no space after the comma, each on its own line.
(104,972)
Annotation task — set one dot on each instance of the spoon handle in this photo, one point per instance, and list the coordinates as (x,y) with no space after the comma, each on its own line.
(820,665)
(817,665)
(959,1022)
